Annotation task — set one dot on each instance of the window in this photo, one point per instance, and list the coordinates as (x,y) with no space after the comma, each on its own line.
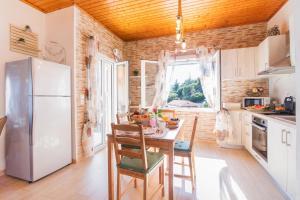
(185,86)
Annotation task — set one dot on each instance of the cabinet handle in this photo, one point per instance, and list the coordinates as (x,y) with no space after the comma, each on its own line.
(282,135)
(286,135)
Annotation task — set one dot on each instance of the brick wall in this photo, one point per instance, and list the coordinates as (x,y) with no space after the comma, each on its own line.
(225,38)
(106,41)
(134,51)
(233,91)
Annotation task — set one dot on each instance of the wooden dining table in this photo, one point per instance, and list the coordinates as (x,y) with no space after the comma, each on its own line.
(166,142)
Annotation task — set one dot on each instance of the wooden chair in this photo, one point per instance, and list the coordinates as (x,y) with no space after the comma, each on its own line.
(137,163)
(185,149)
(122,117)
(2,123)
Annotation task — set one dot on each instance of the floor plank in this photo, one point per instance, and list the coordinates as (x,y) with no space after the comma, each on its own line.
(221,174)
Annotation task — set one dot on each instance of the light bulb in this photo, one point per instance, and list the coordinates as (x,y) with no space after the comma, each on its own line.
(178,36)
(178,20)
(183,44)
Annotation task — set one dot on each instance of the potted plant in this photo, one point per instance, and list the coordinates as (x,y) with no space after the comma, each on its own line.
(136,72)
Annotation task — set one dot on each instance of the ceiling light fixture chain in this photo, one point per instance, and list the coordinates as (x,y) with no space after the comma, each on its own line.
(179,28)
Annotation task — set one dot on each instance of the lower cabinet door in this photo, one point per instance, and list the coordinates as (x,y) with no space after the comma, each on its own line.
(277,153)
(291,163)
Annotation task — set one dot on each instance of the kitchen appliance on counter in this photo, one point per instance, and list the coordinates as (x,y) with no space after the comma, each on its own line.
(38,108)
(260,137)
(290,105)
(254,101)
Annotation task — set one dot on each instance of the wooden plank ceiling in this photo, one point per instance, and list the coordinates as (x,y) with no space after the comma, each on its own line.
(140,19)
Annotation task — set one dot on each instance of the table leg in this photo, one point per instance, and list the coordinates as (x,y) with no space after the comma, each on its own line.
(110,169)
(171,169)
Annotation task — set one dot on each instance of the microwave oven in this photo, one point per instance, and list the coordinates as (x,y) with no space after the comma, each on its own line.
(252,101)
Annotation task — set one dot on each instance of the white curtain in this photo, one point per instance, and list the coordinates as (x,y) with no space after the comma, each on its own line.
(92,90)
(207,77)
(163,77)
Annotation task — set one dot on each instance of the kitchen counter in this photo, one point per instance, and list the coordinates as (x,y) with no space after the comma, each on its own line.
(282,119)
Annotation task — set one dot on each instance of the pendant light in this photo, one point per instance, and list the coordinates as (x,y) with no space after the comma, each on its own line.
(179,28)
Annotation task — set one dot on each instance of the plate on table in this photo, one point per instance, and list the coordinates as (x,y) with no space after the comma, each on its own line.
(148,131)
(169,126)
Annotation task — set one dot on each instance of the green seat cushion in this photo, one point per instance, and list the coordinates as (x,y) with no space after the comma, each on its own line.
(135,164)
(127,146)
(182,146)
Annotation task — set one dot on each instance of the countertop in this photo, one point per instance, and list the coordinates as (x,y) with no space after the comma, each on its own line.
(285,122)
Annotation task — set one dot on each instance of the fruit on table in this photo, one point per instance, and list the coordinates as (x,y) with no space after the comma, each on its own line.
(279,108)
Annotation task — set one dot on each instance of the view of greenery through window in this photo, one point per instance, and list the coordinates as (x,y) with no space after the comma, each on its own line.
(190,90)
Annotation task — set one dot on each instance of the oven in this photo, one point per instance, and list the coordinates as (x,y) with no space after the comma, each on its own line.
(260,137)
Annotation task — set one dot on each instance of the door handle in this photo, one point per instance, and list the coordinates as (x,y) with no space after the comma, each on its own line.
(282,135)
(286,135)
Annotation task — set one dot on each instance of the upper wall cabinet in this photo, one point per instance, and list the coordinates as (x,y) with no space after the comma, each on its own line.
(239,63)
(271,51)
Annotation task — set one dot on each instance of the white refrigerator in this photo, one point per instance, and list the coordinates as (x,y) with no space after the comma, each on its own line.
(38,107)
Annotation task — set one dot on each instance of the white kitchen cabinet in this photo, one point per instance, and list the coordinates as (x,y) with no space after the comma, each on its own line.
(229,63)
(238,63)
(246,63)
(247,131)
(282,156)
(270,51)
(291,187)
(236,121)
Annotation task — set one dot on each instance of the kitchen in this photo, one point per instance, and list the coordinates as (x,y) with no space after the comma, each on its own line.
(258,95)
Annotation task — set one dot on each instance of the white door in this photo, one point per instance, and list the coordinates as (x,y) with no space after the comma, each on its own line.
(121,87)
(105,92)
(51,138)
(277,153)
(229,64)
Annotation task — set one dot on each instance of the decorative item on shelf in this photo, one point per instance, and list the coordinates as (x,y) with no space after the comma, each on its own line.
(55,52)
(273,31)
(24,41)
(255,92)
(21,40)
(27,28)
(136,72)
(117,55)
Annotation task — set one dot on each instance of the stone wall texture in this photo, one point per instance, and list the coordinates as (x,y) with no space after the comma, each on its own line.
(106,41)
(233,91)
(149,49)
(225,38)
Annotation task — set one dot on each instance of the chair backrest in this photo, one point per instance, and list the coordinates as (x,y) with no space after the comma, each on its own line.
(125,134)
(193,132)
(2,123)
(169,112)
(122,117)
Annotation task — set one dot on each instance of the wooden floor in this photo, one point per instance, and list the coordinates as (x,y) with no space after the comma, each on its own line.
(221,174)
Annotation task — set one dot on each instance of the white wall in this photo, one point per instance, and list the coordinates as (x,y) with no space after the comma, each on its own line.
(60,28)
(17,13)
(295,4)
(282,86)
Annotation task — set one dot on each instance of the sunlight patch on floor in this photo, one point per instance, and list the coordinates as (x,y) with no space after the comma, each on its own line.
(214,181)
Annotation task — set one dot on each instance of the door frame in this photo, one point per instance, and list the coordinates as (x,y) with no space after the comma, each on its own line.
(100,58)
